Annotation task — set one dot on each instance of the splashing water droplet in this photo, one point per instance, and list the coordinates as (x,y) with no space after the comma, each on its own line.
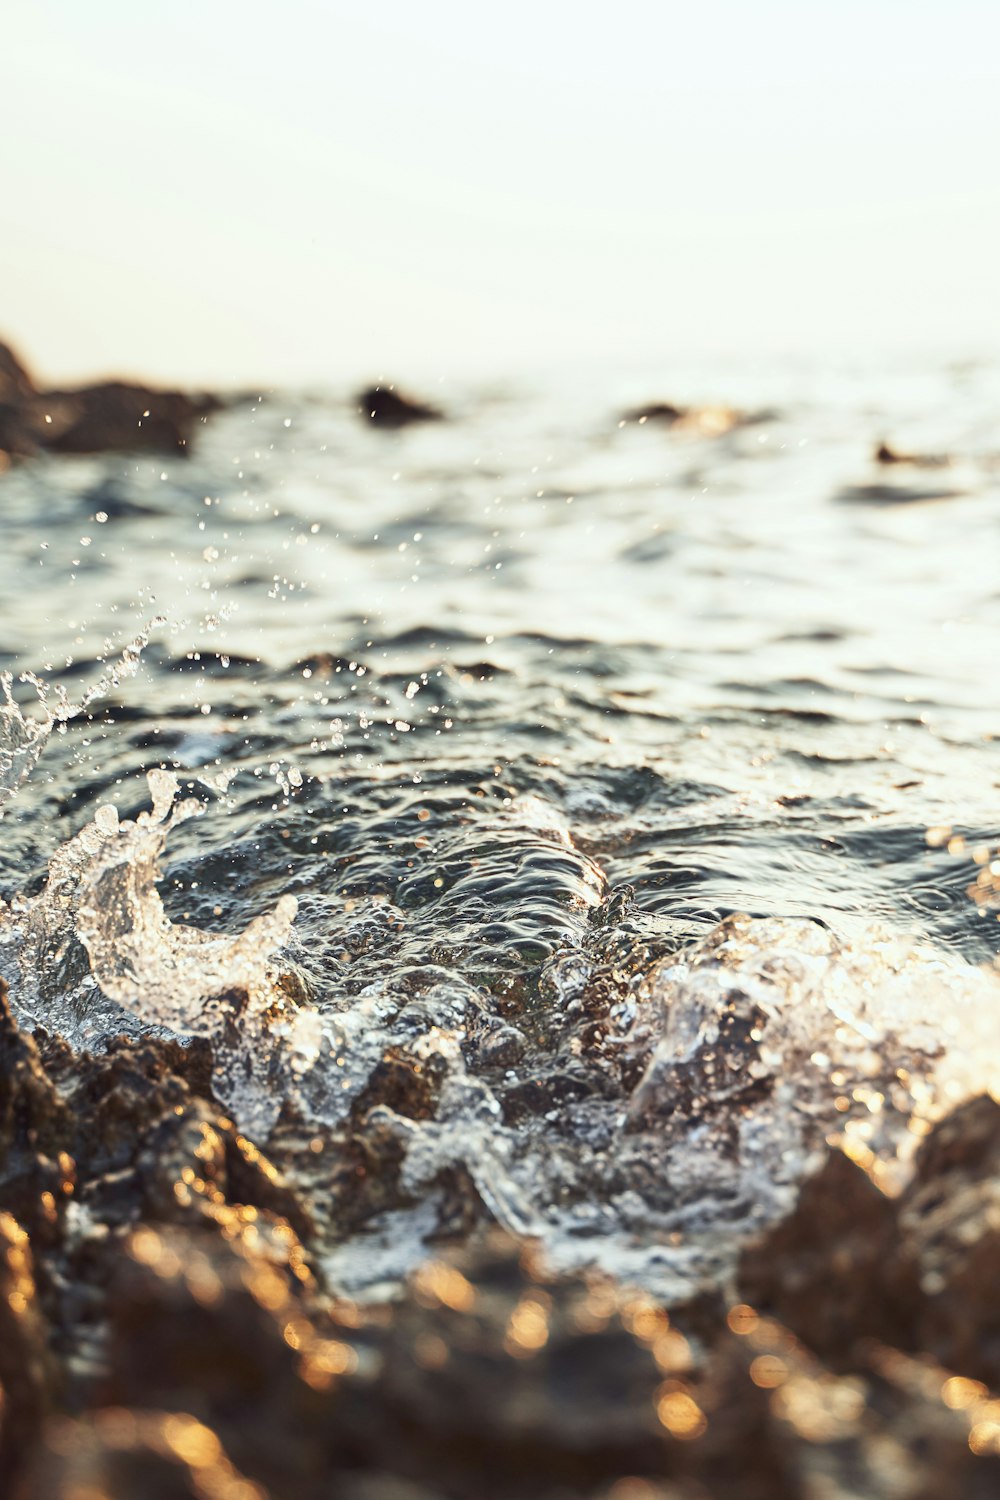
(23,737)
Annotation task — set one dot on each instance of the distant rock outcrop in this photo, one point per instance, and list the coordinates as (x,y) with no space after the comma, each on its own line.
(111,416)
(119,416)
(884,454)
(384,406)
(695,421)
(656,411)
(15,382)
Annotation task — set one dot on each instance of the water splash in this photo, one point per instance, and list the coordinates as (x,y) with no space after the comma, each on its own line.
(23,737)
(743,1059)
(98,933)
(168,973)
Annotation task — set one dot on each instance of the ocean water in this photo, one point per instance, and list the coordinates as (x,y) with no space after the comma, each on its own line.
(631,790)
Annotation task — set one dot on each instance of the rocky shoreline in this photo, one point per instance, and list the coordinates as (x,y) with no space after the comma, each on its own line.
(165,1330)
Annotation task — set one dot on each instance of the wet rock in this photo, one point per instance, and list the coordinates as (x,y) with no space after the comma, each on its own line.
(405,1082)
(949,1219)
(36,1171)
(779,1426)
(383,1487)
(496,1378)
(217,1327)
(17,391)
(92,1146)
(696,1069)
(822,1271)
(548,1090)
(850,1265)
(501,1045)
(168,1293)
(25,1370)
(384,406)
(119,1454)
(657,411)
(929,1432)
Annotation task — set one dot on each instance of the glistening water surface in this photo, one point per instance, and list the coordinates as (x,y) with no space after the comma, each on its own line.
(596,817)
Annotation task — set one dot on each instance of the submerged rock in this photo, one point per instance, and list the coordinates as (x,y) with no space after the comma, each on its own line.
(384,406)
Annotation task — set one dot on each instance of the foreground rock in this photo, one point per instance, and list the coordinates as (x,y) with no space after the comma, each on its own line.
(920,1271)
(165,1330)
(384,406)
(112,416)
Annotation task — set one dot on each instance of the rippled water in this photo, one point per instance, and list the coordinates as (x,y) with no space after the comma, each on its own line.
(518,707)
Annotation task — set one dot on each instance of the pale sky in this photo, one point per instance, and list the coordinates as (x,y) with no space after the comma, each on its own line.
(281,190)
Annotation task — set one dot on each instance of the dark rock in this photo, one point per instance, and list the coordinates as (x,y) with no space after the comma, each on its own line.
(407,1084)
(822,1270)
(16,385)
(850,1265)
(117,1454)
(384,406)
(495,1378)
(110,416)
(949,1219)
(120,417)
(21,430)
(553,1088)
(217,1327)
(895,494)
(884,454)
(25,1373)
(161,1282)
(779,1426)
(18,436)
(929,1433)
(656,411)
(721,1072)
(502,1046)
(36,1171)
(697,421)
